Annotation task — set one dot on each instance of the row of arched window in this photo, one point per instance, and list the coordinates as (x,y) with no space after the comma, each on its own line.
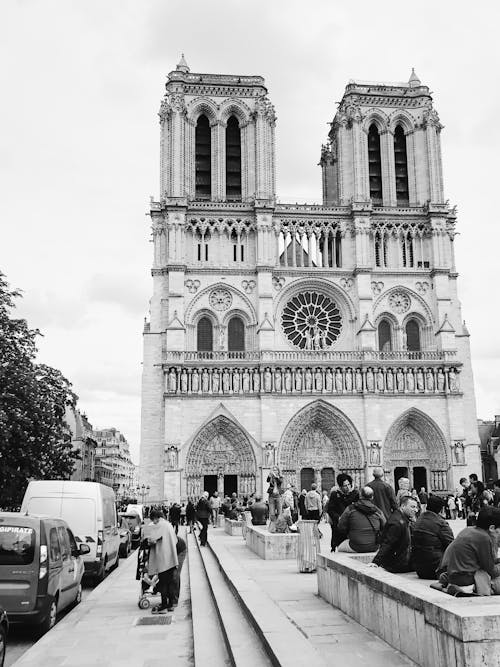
(203,159)
(400,164)
(412,336)
(235,335)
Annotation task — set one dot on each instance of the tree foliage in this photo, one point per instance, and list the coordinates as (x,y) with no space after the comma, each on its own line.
(33,400)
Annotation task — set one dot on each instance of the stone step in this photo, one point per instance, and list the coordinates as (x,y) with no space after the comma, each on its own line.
(243,644)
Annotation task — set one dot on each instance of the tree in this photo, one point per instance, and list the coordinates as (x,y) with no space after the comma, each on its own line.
(33,398)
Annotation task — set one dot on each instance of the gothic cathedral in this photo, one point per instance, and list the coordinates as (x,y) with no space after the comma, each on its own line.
(321,338)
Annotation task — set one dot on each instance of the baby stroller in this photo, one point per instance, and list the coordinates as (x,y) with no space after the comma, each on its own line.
(149,593)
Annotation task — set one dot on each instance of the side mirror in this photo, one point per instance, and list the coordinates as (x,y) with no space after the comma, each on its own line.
(83,549)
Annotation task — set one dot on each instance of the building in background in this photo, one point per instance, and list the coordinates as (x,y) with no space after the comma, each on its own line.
(489,432)
(114,466)
(79,430)
(321,338)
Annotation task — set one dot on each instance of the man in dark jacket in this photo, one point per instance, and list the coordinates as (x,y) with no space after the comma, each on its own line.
(340,498)
(383,493)
(360,525)
(430,537)
(258,510)
(203,513)
(394,554)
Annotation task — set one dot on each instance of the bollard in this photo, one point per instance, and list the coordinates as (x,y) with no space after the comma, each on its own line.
(309,545)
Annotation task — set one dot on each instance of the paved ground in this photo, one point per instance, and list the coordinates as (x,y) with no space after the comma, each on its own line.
(102,630)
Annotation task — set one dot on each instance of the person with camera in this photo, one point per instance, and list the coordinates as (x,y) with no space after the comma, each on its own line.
(275,491)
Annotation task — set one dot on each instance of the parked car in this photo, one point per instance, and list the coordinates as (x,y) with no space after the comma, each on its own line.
(89,509)
(125,536)
(4,630)
(41,568)
(134,523)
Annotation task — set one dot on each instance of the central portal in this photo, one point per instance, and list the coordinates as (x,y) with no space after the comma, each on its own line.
(230,484)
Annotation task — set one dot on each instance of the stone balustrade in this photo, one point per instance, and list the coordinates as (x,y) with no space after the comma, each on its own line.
(330,380)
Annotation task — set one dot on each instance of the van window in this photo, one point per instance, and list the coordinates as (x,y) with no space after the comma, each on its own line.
(55,551)
(72,542)
(17,545)
(79,513)
(109,513)
(63,541)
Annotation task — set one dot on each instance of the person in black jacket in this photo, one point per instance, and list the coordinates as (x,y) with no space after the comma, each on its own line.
(383,493)
(430,537)
(341,497)
(203,513)
(394,554)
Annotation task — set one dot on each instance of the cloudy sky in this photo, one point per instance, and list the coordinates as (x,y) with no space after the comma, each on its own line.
(81,82)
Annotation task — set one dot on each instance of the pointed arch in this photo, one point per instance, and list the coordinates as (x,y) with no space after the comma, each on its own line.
(235,108)
(414,436)
(199,106)
(321,436)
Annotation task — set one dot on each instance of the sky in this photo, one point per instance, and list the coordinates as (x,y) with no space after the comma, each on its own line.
(81,84)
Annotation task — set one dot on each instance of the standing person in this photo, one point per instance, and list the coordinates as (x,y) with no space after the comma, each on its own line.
(415,497)
(383,494)
(324,503)
(423,496)
(288,497)
(190,515)
(181,549)
(275,491)
(394,554)
(174,516)
(295,510)
(183,514)
(302,504)
(163,559)
(215,507)
(452,506)
(403,490)
(314,506)
(341,497)
(203,512)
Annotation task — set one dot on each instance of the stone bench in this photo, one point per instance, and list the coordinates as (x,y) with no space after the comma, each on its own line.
(430,627)
(232,527)
(271,546)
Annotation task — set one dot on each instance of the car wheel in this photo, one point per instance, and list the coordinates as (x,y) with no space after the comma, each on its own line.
(50,620)
(3,644)
(78,598)
(99,577)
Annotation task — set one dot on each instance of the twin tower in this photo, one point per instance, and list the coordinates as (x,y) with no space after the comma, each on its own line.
(321,338)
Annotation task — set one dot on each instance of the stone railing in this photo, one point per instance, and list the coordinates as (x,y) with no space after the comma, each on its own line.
(314,357)
(330,380)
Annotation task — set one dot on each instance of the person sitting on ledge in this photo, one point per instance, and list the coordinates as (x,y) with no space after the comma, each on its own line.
(360,525)
(430,536)
(258,511)
(470,563)
(284,521)
(395,544)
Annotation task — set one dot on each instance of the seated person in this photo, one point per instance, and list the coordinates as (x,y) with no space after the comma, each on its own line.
(284,521)
(360,525)
(258,510)
(395,543)
(471,561)
(430,536)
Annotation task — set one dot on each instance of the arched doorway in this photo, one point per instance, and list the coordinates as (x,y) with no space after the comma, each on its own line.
(415,448)
(320,437)
(221,455)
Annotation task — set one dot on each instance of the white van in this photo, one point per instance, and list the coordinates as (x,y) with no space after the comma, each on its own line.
(89,509)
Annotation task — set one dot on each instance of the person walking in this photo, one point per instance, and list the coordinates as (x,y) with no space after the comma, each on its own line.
(423,496)
(163,559)
(174,516)
(215,507)
(203,512)
(190,515)
(383,494)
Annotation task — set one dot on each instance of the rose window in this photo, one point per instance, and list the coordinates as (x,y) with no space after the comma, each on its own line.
(220,299)
(399,302)
(311,321)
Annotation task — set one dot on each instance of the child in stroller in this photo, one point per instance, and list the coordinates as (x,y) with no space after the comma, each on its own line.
(149,584)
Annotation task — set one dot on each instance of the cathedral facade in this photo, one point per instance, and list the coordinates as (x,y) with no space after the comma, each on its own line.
(321,338)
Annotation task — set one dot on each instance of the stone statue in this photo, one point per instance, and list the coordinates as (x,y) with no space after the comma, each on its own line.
(317,340)
(172,458)
(269,460)
(172,380)
(318,380)
(375,453)
(440,380)
(369,380)
(288,381)
(195,384)
(328,380)
(452,380)
(380,380)
(184,381)
(226,381)
(308,379)
(400,380)
(420,380)
(338,381)
(298,379)
(205,381)
(459,452)
(268,380)
(410,381)
(236,381)
(348,380)
(359,380)
(429,377)
(215,381)
(221,338)
(246,381)
(309,340)
(390,380)
(324,339)
(277,381)
(256,381)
